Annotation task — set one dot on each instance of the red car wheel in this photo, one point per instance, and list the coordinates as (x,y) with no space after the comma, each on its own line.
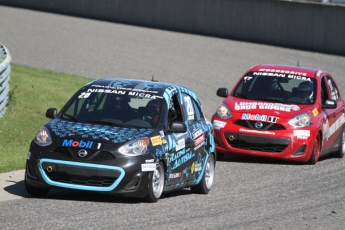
(315,153)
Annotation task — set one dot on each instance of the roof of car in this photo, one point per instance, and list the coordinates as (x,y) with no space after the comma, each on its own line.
(287,69)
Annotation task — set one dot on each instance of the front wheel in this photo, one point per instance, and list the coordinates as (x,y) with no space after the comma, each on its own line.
(315,153)
(341,151)
(156,184)
(207,179)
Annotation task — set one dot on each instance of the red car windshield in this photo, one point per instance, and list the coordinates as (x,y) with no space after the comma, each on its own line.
(278,88)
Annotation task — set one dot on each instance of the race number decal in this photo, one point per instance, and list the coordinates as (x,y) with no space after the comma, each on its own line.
(189,107)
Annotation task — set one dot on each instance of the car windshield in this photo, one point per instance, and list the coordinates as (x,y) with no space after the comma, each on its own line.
(283,88)
(113,109)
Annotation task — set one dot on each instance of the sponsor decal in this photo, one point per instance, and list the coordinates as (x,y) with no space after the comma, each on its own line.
(197,133)
(199,145)
(301,134)
(156,140)
(180,144)
(258,117)
(272,119)
(284,71)
(129,92)
(175,175)
(265,105)
(192,168)
(148,167)
(256,131)
(161,133)
(77,144)
(218,124)
(254,117)
(181,157)
(197,167)
(150,161)
(199,137)
(282,75)
(330,130)
(315,112)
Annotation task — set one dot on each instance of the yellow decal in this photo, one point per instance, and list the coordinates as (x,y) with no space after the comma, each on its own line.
(315,112)
(164,141)
(192,168)
(157,140)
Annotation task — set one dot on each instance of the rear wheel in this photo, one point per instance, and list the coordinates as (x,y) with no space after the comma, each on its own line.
(35,191)
(207,179)
(341,151)
(156,184)
(315,153)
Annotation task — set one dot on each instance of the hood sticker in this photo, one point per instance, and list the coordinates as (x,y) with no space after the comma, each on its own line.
(63,129)
(265,105)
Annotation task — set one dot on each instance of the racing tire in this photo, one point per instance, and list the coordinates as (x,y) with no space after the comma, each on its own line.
(155,184)
(207,179)
(315,153)
(36,191)
(341,151)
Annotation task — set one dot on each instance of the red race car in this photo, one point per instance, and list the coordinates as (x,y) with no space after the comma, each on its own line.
(284,112)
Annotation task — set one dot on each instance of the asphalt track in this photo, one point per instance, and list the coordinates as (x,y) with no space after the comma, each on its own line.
(248,193)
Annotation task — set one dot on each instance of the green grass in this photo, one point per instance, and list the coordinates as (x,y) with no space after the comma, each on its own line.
(32,92)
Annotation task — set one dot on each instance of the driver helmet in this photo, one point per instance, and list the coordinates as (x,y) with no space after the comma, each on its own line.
(275,85)
(305,90)
(154,107)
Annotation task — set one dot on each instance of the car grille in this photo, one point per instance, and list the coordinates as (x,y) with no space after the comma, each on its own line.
(256,143)
(258,147)
(93,155)
(266,125)
(81,180)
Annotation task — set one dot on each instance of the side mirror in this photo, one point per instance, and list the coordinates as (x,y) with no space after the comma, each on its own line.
(329,104)
(222,92)
(178,127)
(51,113)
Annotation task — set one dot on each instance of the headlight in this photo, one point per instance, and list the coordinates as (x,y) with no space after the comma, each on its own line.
(43,137)
(301,120)
(135,147)
(223,111)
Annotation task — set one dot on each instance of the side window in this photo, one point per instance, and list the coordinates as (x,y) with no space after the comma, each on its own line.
(175,112)
(333,88)
(324,91)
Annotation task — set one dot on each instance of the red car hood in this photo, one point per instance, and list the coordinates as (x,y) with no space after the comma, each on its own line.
(238,105)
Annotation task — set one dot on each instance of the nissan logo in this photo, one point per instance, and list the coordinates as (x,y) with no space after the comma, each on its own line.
(82,153)
(258,125)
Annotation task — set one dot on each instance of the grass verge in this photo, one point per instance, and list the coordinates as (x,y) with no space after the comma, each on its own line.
(32,92)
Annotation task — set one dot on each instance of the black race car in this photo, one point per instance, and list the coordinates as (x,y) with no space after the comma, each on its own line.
(127,137)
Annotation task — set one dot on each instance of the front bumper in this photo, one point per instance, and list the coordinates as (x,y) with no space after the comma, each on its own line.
(279,144)
(121,176)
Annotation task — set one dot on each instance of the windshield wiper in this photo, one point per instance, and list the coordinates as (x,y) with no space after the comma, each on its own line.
(240,95)
(270,99)
(107,123)
(70,116)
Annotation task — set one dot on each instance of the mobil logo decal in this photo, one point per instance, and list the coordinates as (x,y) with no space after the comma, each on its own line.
(254,117)
(76,143)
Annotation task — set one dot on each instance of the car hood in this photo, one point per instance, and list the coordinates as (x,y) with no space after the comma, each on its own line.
(103,133)
(237,105)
